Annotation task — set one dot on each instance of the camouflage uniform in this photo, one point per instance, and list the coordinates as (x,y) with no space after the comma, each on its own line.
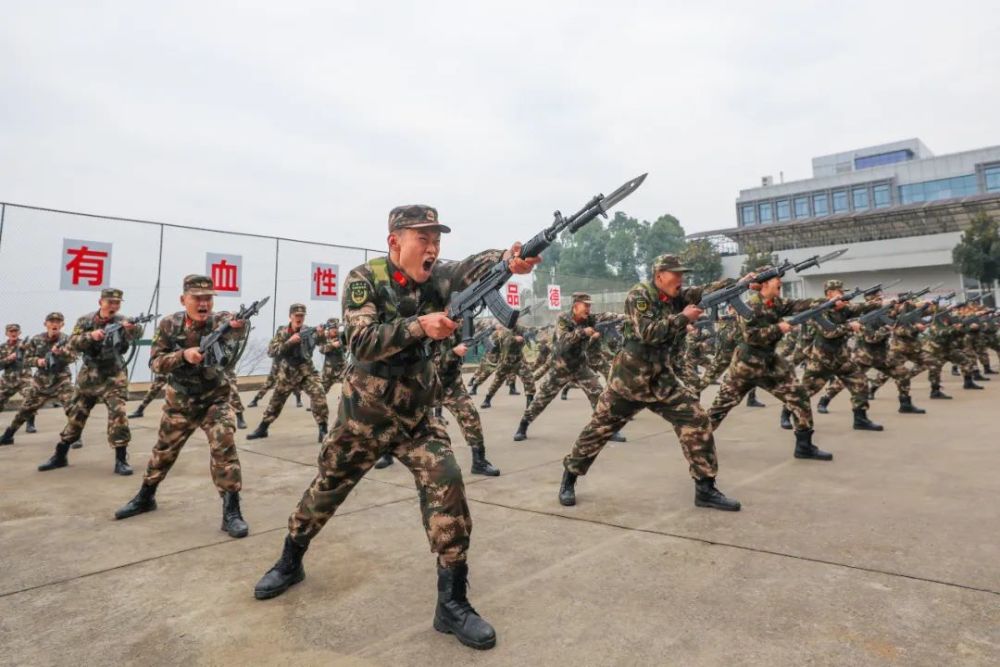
(334,358)
(295,371)
(455,397)
(511,363)
(696,352)
(272,379)
(726,340)
(46,385)
(488,364)
(102,378)
(16,374)
(598,358)
(944,342)
(543,361)
(905,346)
(159,382)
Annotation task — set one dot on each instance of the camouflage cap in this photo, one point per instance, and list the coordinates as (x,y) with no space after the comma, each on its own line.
(415,216)
(111,293)
(832,285)
(297,308)
(669,262)
(55,316)
(197,285)
(581,297)
(13,326)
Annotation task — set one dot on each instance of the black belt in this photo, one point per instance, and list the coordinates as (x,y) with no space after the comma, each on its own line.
(388,371)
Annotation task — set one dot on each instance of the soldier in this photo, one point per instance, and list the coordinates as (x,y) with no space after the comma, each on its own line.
(727,339)
(49,354)
(943,342)
(489,361)
(16,374)
(756,363)
(574,331)
(295,371)
(599,358)
(334,359)
(159,382)
(696,353)
(510,365)
(272,378)
(643,377)
(393,308)
(198,396)
(543,360)
(829,357)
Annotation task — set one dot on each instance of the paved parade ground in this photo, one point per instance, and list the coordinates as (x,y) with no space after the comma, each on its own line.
(889,555)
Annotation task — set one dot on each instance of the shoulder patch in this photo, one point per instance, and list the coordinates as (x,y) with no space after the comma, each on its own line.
(359,292)
(642,304)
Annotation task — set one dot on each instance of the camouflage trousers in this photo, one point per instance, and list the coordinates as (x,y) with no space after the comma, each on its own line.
(92,387)
(939,353)
(159,382)
(775,375)
(539,371)
(823,366)
(675,403)
(301,377)
(905,350)
(272,379)
(41,390)
(351,450)
(559,377)
(459,404)
(485,370)
(509,372)
(333,371)
(213,414)
(690,375)
(12,384)
(981,348)
(881,359)
(234,391)
(720,362)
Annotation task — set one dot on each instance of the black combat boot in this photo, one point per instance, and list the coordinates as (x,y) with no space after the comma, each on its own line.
(287,572)
(473,388)
(29,426)
(240,422)
(513,390)
(565,394)
(321,435)
(906,406)
(805,449)
(121,462)
(259,432)
(823,405)
(954,370)
(522,431)
(786,419)
(486,405)
(617,437)
(567,489)
(987,370)
(862,423)
(384,461)
(232,518)
(706,495)
(454,615)
(58,459)
(144,501)
(139,412)
(78,444)
(298,401)
(935,393)
(528,399)
(480,466)
(8,437)
(253,403)
(969,384)
(979,377)
(871,391)
(752,401)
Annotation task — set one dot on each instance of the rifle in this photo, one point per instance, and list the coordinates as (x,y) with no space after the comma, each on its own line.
(54,364)
(211,344)
(482,338)
(731,294)
(308,341)
(815,312)
(611,329)
(876,319)
(484,293)
(114,337)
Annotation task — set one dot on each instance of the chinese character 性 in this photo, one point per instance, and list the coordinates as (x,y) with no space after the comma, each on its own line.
(324,281)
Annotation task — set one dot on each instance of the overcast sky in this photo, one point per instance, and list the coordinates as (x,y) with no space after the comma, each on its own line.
(312,122)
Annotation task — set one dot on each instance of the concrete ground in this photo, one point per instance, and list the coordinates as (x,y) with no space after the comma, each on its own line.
(888,555)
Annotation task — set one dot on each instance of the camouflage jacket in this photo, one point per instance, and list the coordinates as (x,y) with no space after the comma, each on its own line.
(38,347)
(544,352)
(293,354)
(761,332)
(449,364)
(97,354)
(334,345)
(512,350)
(386,341)
(906,331)
(175,334)
(17,367)
(837,337)
(654,323)
(571,343)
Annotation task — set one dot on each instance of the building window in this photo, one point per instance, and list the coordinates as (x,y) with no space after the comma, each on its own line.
(802,207)
(784,210)
(839,201)
(821,204)
(943,188)
(859,197)
(765,213)
(992,178)
(883,198)
(747,215)
(882,159)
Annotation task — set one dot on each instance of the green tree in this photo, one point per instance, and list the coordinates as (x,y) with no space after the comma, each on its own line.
(586,252)
(704,261)
(978,253)
(756,259)
(623,246)
(665,235)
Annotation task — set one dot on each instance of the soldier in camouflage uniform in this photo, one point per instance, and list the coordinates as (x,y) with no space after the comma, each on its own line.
(904,346)
(727,339)
(295,371)
(103,378)
(872,350)
(16,374)
(944,342)
(543,360)
(393,312)
(756,363)
(696,353)
(272,379)
(198,396)
(510,365)
(829,357)
(574,332)
(488,362)
(50,382)
(159,382)
(642,377)
(334,359)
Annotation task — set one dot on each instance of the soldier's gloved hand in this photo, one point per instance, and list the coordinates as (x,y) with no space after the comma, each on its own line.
(461,349)
(784,326)
(193,356)
(854,325)
(437,326)
(518,265)
(692,312)
(294,338)
(97,334)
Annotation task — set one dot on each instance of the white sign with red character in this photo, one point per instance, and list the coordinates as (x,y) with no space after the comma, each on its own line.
(513,295)
(85,265)
(555,297)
